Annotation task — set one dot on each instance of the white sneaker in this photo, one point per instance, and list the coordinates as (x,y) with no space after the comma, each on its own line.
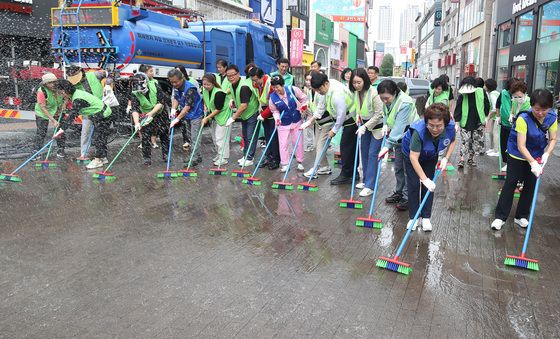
(324,170)
(426,225)
(366,192)
(504,169)
(186,146)
(493,154)
(246,163)
(140,146)
(522,222)
(105,161)
(497,224)
(240,160)
(154,146)
(284,168)
(490,151)
(218,163)
(95,163)
(308,174)
(361,185)
(410,223)
(300,167)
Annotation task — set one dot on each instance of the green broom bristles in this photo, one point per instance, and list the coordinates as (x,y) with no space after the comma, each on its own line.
(308,188)
(11,178)
(393,267)
(355,205)
(288,187)
(252,182)
(374,224)
(519,262)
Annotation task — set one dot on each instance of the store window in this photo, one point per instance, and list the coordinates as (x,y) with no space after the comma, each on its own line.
(524,27)
(502,57)
(548,47)
(520,72)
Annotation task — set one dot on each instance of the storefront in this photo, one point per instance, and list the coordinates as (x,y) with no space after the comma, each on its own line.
(324,36)
(528,43)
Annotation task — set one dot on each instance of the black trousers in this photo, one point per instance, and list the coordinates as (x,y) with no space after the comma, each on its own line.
(273,151)
(101,130)
(348,144)
(158,127)
(504,136)
(517,171)
(415,187)
(42,129)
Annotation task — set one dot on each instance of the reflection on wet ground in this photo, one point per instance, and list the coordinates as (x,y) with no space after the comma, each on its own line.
(141,257)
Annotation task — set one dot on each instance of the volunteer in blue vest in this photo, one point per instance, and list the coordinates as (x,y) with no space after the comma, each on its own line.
(336,100)
(91,82)
(470,114)
(503,105)
(421,146)
(93,108)
(369,108)
(373,74)
(48,107)
(188,103)
(184,128)
(439,93)
(493,121)
(399,112)
(283,66)
(531,141)
(247,108)
(215,100)
(148,104)
(262,87)
(291,101)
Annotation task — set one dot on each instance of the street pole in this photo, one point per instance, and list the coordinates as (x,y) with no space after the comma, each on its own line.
(288,39)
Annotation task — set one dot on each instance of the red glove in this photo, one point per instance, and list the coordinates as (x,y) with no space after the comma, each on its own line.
(303,108)
(278,122)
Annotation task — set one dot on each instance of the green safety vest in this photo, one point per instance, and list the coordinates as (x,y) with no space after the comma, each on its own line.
(336,87)
(148,104)
(402,99)
(95,104)
(505,108)
(222,117)
(263,97)
(526,106)
(193,81)
(367,108)
(311,103)
(54,103)
(288,78)
(253,105)
(479,96)
(443,98)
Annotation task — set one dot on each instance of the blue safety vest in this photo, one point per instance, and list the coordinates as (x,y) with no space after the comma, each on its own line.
(537,137)
(196,110)
(291,113)
(429,152)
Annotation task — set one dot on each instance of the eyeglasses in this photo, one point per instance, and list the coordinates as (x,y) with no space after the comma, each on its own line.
(231,75)
(436,127)
(276,78)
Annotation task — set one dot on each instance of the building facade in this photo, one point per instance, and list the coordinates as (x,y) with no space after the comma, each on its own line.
(407,25)
(428,42)
(385,23)
(450,48)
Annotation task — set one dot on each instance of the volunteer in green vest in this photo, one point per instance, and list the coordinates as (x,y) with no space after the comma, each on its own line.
(247,108)
(221,78)
(309,134)
(470,114)
(493,121)
(439,93)
(399,112)
(369,107)
(148,104)
(219,112)
(149,71)
(283,65)
(90,106)
(262,87)
(503,105)
(48,108)
(90,82)
(373,74)
(337,100)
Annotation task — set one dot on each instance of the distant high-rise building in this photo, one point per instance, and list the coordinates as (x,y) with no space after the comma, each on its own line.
(385,23)
(407,25)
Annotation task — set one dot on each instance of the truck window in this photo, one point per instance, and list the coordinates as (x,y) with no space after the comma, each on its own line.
(269,46)
(249,51)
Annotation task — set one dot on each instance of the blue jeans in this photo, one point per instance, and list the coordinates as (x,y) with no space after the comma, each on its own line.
(370,150)
(247,129)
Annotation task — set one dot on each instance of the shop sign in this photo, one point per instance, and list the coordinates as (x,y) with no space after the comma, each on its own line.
(324,30)
(521,5)
(519,58)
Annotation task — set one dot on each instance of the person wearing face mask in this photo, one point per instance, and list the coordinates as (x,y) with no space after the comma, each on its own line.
(490,86)
(421,145)
(439,93)
(531,141)
(283,65)
(345,76)
(520,101)
(218,109)
(309,134)
(369,108)
(470,114)
(399,112)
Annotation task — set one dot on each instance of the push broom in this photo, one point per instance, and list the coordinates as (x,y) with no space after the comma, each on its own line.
(218,171)
(45,164)
(393,264)
(242,173)
(167,174)
(351,203)
(283,185)
(521,260)
(188,172)
(13,177)
(108,176)
(84,160)
(501,175)
(370,221)
(308,186)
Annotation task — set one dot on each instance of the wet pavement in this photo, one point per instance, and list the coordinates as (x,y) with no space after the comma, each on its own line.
(211,257)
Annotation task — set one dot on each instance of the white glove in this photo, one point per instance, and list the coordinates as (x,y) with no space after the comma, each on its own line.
(174,122)
(457,128)
(58,134)
(260,118)
(536,168)
(430,185)
(230,121)
(147,120)
(305,125)
(137,127)
(128,109)
(384,130)
(443,164)
(361,130)
(510,119)
(544,158)
(173,113)
(384,150)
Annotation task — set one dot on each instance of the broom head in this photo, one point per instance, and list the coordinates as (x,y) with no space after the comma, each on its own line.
(187,173)
(252,181)
(369,222)
(391,158)
(394,265)
(82,161)
(10,177)
(522,262)
(104,176)
(218,171)
(355,204)
(280,185)
(304,186)
(167,175)
(499,176)
(45,164)
(240,173)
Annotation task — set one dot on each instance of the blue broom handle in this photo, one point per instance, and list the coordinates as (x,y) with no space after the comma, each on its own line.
(531,215)
(376,180)
(359,137)
(195,147)
(292,156)
(266,148)
(169,150)
(401,247)
(320,158)
(33,156)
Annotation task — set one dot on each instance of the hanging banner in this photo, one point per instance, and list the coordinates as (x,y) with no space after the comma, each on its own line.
(296,46)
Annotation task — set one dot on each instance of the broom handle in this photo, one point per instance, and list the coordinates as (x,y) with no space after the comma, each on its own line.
(250,143)
(169,150)
(121,150)
(325,146)
(292,156)
(376,180)
(33,156)
(196,143)
(403,242)
(55,130)
(359,137)
(266,148)
(531,215)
